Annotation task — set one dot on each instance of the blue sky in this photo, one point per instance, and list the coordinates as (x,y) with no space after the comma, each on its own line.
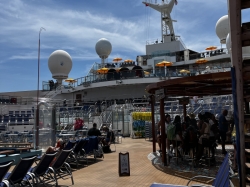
(75,26)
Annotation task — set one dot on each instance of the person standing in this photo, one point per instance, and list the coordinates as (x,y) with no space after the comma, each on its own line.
(167,123)
(223,127)
(158,138)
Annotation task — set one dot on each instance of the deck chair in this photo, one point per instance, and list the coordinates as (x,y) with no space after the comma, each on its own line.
(220,180)
(91,146)
(20,174)
(42,167)
(59,169)
(4,168)
(70,145)
(222,177)
(78,153)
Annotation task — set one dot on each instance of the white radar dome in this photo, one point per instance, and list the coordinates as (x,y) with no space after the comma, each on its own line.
(60,64)
(103,48)
(245,50)
(222,28)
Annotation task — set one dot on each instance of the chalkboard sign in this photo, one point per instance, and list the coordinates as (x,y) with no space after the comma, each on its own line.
(124,167)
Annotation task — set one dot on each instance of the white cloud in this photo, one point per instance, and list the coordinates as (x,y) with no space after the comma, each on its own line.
(67,28)
(77,29)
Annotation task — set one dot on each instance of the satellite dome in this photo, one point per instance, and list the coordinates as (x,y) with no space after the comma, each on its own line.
(60,64)
(245,50)
(222,28)
(103,48)
(228,43)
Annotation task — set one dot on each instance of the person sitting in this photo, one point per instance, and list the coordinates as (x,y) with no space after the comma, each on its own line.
(58,147)
(94,131)
(109,137)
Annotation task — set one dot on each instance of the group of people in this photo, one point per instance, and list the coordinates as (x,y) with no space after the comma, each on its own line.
(52,85)
(192,133)
(94,131)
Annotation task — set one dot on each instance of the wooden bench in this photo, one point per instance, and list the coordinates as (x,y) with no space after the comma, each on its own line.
(7,152)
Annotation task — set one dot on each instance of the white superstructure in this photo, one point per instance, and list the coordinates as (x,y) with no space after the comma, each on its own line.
(123,82)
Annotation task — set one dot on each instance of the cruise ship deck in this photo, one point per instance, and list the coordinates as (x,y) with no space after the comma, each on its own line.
(104,172)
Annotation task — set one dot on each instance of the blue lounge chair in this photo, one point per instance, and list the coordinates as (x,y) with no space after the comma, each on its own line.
(78,153)
(59,169)
(222,177)
(4,168)
(70,145)
(220,180)
(42,167)
(91,146)
(20,174)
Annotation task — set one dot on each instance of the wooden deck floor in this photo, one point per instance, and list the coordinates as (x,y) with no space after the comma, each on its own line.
(105,171)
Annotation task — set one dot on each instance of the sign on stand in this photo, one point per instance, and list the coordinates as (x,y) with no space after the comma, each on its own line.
(159,94)
(124,167)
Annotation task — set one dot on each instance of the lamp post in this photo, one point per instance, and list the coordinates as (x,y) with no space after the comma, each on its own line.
(37,97)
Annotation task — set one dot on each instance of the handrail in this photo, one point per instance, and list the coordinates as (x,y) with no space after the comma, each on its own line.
(135,74)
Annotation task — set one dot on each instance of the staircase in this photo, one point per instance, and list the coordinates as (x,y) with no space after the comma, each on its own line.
(106,117)
(51,94)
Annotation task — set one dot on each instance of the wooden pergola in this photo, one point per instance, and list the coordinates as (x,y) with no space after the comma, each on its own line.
(201,85)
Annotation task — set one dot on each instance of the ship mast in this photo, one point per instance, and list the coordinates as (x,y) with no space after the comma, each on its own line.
(165,8)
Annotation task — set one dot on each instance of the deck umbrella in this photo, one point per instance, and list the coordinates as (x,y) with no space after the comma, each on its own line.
(210,48)
(70,80)
(184,71)
(128,60)
(103,70)
(117,59)
(164,64)
(201,61)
